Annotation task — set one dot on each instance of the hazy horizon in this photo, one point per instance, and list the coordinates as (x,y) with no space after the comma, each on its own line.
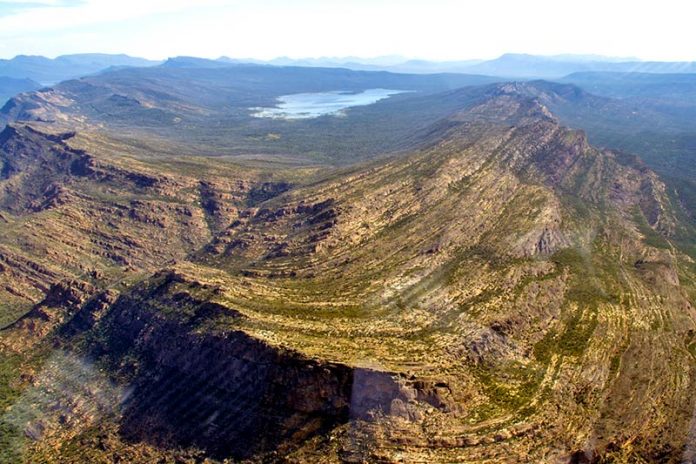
(396,59)
(442,30)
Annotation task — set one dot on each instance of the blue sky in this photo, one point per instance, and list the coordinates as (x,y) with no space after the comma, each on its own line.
(434,29)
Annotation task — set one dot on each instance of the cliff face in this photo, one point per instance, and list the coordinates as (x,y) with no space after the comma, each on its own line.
(227,392)
(231,396)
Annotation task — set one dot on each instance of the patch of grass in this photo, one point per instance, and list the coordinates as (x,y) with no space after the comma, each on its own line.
(651,236)
(569,258)
(576,336)
(572,341)
(544,348)
(614,364)
(11,387)
(10,311)
(10,364)
(580,322)
(510,388)
(692,349)
(11,439)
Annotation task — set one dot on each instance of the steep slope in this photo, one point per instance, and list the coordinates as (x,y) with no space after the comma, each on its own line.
(655,126)
(506,293)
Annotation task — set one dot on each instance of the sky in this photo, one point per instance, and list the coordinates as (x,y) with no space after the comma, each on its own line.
(426,29)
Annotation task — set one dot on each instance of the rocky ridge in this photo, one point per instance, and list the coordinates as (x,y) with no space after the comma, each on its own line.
(495,295)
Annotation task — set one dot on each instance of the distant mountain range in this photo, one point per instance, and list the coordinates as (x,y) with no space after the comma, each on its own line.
(606,76)
(521,66)
(50,71)
(514,65)
(509,65)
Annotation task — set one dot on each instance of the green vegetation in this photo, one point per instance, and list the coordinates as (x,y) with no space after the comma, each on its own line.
(572,335)
(652,237)
(571,341)
(510,389)
(10,364)
(10,311)
(578,330)
(12,439)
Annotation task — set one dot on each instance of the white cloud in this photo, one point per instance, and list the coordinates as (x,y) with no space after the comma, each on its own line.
(62,16)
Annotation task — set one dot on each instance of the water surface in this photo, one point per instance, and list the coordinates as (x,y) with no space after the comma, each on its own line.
(312,105)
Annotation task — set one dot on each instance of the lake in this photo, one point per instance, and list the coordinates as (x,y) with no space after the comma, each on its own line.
(312,105)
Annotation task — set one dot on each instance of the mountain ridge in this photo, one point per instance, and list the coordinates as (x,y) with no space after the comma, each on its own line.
(490,293)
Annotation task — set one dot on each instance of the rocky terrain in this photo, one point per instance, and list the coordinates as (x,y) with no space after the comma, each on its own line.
(501,291)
